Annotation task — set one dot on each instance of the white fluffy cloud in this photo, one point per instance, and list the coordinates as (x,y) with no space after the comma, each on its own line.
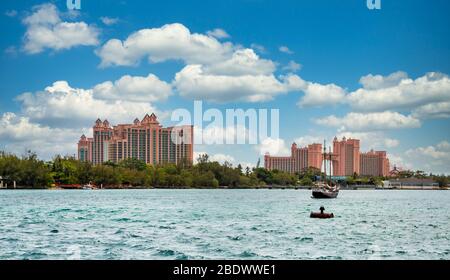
(60,105)
(321,95)
(214,71)
(193,82)
(434,158)
(18,128)
(440,151)
(275,147)
(371,82)
(46,30)
(134,88)
(425,97)
(169,42)
(242,62)
(433,111)
(399,92)
(370,122)
(18,135)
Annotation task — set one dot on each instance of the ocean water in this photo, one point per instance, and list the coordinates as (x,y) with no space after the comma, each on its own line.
(223,224)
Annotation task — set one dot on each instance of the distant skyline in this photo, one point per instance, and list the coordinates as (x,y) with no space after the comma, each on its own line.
(332,68)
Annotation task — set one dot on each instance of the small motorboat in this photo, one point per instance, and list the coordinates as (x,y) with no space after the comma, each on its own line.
(321,214)
(88,187)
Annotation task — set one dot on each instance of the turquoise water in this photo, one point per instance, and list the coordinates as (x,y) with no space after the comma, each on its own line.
(223,224)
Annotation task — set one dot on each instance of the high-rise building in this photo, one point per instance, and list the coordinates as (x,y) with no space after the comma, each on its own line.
(299,160)
(145,140)
(85,148)
(345,159)
(374,163)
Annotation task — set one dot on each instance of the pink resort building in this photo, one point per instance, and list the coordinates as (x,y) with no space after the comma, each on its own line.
(144,139)
(375,163)
(346,159)
(85,148)
(299,160)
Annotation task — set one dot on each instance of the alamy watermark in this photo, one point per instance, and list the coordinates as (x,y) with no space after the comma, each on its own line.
(374,4)
(73,4)
(235,127)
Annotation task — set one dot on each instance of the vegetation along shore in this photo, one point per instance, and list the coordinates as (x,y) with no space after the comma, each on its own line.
(30,172)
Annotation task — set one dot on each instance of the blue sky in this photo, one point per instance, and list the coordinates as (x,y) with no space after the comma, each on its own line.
(380,75)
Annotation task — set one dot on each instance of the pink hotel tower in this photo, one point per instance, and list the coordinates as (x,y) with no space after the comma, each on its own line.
(145,140)
(346,159)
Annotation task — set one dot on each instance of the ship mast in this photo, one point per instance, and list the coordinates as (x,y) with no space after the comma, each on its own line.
(330,165)
(325,160)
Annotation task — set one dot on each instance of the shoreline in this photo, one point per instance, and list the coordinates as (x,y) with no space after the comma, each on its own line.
(353,188)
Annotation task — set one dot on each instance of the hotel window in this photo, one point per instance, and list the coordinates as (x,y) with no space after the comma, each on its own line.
(119,151)
(129,141)
(148,146)
(165,146)
(173,150)
(154,146)
(134,141)
(142,145)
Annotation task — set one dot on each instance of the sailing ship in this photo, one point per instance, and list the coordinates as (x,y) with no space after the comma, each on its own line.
(325,189)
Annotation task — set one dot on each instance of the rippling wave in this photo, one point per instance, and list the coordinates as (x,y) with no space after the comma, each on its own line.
(222,224)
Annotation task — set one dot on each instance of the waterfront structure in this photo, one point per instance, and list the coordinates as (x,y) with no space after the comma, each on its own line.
(299,160)
(144,139)
(374,163)
(4,183)
(346,159)
(411,183)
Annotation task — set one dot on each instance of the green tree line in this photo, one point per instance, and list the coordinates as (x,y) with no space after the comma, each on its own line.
(31,172)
